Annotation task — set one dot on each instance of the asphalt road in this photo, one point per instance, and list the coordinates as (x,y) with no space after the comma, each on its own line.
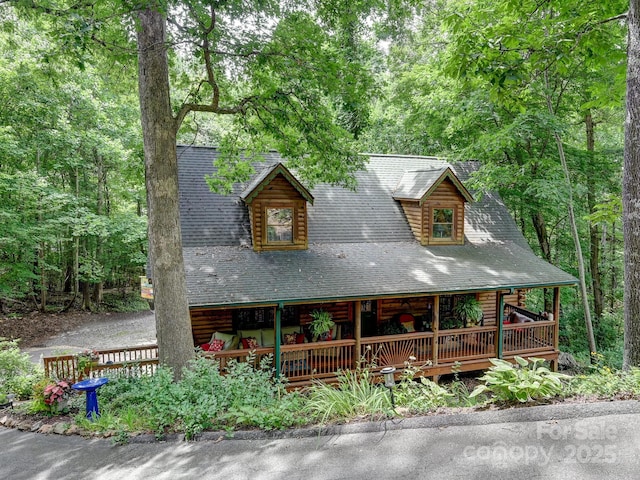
(566,441)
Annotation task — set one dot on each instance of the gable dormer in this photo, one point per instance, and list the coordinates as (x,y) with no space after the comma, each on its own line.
(277,204)
(433,202)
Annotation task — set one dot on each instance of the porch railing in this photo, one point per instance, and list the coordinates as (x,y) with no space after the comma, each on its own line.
(138,360)
(466,344)
(528,338)
(395,350)
(304,362)
(255,356)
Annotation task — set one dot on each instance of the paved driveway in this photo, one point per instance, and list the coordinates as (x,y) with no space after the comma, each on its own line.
(101,332)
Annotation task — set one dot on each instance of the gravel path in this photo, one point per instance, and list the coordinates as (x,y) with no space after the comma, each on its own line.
(100,332)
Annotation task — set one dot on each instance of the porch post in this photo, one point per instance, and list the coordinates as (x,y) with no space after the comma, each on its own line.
(276,343)
(435,326)
(556,325)
(357,333)
(500,318)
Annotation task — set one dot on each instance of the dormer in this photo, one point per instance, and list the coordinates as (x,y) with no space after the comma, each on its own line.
(277,204)
(433,202)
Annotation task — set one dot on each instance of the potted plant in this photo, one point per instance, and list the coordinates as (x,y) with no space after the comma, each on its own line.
(321,325)
(468,310)
(87,360)
(56,395)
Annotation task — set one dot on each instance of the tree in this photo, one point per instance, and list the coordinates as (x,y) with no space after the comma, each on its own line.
(517,77)
(270,66)
(69,148)
(631,194)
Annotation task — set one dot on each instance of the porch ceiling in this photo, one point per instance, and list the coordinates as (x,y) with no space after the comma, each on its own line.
(236,275)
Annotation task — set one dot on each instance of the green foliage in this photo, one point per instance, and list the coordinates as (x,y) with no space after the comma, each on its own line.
(37,403)
(71,175)
(18,373)
(127,302)
(525,381)
(606,383)
(355,395)
(321,323)
(420,396)
(203,399)
(468,309)
(608,331)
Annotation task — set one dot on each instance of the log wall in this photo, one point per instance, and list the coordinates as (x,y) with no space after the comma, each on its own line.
(205,322)
(279,193)
(446,195)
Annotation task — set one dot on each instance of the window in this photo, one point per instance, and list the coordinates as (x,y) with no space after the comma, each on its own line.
(279,225)
(442,223)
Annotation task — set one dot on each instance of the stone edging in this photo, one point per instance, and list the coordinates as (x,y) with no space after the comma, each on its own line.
(557,411)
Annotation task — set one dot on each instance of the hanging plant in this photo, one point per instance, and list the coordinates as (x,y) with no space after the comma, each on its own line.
(321,323)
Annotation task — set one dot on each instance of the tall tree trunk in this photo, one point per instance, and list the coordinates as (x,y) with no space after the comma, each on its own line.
(594,231)
(102,180)
(631,194)
(574,230)
(41,252)
(540,226)
(159,128)
(613,249)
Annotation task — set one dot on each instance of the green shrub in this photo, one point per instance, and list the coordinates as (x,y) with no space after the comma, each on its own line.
(18,373)
(606,382)
(526,381)
(204,399)
(419,396)
(608,333)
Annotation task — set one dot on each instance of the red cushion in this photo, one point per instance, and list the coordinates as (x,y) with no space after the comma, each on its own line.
(299,337)
(205,347)
(216,346)
(250,343)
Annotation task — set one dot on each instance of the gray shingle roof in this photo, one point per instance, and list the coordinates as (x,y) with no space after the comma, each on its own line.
(266,174)
(235,275)
(415,185)
(360,242)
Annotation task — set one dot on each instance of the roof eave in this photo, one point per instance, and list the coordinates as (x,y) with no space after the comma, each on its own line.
(350,298)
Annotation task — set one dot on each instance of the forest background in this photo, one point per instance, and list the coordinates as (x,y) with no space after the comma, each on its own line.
(534,90)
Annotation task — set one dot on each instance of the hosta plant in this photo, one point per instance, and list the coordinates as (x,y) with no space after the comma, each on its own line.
(525,381)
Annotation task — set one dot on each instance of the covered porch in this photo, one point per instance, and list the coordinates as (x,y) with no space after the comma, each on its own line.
(365,335)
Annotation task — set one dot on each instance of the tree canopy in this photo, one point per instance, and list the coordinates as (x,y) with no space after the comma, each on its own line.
(533,90)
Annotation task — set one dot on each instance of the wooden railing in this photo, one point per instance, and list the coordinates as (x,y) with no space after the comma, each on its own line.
(508,308)
(239,355)
(302,363)
(299,362)
(466,344)
(140,360)
(528,338)
(395,350)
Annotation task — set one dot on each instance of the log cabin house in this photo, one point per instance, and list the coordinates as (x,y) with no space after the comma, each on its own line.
(389,261)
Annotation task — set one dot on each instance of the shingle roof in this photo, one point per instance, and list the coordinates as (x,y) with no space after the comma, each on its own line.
(360,243)
(235,275)
(266,175)
(416,185)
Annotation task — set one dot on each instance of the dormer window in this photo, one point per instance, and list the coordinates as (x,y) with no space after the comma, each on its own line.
(279,225)
(442,224)
(433,202)
(277,204)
